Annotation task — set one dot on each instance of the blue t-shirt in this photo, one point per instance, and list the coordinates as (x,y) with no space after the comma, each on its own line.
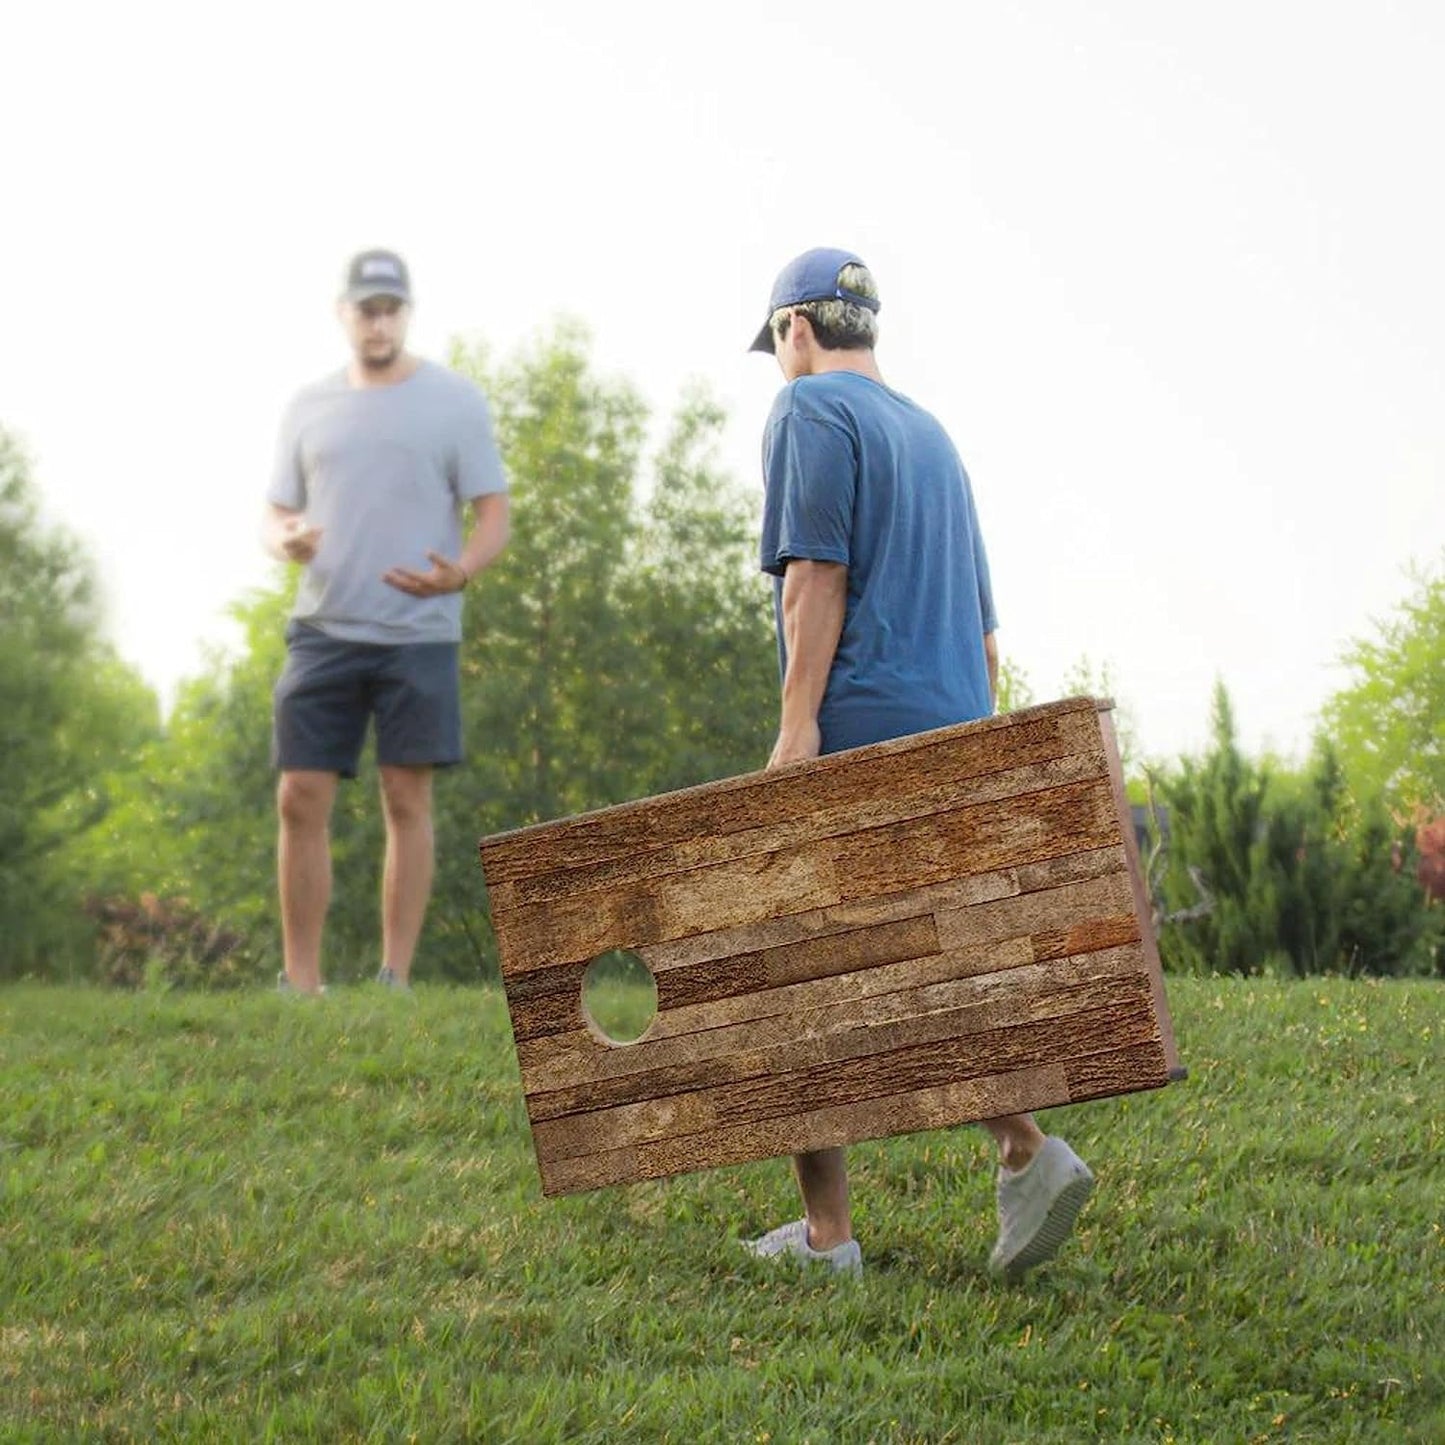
(858,474)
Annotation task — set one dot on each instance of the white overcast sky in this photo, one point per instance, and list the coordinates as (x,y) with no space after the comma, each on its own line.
(1171,275)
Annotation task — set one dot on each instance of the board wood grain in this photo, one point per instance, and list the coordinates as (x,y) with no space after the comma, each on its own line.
(923,933)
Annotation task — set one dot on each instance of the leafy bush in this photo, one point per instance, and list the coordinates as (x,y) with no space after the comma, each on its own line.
(1303,879)
(150,941)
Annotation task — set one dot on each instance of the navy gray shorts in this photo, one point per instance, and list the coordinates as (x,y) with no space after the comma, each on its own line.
(330,689)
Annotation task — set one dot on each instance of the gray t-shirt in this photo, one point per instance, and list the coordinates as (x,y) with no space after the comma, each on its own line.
(384,472)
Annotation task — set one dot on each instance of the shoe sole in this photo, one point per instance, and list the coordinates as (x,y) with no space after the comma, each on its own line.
(1057,1226)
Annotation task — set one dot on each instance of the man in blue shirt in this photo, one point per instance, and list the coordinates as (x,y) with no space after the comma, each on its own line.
(886,626)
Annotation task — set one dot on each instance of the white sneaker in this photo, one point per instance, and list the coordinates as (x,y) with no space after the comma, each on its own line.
(284,985)
(792,1239)
(1037,1207)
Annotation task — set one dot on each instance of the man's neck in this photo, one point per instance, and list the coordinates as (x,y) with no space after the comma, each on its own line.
(860,360)
(388,375)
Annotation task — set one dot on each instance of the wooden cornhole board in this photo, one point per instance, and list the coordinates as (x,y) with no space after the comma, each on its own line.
(926,932)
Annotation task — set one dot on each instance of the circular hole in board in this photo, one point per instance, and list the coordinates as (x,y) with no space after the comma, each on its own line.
(619,996)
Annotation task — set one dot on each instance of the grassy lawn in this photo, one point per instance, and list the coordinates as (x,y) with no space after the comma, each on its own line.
(254,1218)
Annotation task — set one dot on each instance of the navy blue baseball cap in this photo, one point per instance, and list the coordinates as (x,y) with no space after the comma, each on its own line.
(813,276)
(376,273)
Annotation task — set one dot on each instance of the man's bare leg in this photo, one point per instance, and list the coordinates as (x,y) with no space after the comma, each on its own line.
(1018,1139)
(303,871)
(410,862)
(823,1180)
(823,1177)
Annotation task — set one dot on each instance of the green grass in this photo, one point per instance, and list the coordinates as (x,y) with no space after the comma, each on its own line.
(253,1218)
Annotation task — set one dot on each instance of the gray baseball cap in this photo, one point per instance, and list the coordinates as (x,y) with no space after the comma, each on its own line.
(376,273)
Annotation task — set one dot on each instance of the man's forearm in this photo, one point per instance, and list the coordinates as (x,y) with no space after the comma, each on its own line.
(490,529)
(275,526)
(990,655)
(815,597)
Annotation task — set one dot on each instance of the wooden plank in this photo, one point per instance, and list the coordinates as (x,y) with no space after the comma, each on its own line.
(1077,816)
(702,900)
(865,983)
(716,975)
(747,972)
(960,1102)
(871,1076)
(559,1012)
(907,797)
(734,804)
(1099,908)
(1035,913)
(1143,1065)
(881,1026)
(1011,832)
(882,908)
(560,1062)
(699,1021)
(796,963)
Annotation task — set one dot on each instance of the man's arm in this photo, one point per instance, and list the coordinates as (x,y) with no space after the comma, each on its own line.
(815,597)
(990,654)
(285,535)
(491,526)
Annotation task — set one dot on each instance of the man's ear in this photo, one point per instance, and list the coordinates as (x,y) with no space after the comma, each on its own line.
(804,342)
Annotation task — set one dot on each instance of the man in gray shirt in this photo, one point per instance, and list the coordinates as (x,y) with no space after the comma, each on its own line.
(373,469)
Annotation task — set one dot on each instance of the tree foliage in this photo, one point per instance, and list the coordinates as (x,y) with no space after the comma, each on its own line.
(1014,689)
(70,713)
(1388,725)
(621,646)
(1299,879)
(194,825)
(1086,678)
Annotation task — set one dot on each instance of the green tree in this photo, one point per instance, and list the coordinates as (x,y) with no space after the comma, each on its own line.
(1014,688)
(703,612)
(1216,809)
(72,715)
(201,796)
(545,638)
(1389,723)
(1298,881)
(618,648)
(1089,679)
